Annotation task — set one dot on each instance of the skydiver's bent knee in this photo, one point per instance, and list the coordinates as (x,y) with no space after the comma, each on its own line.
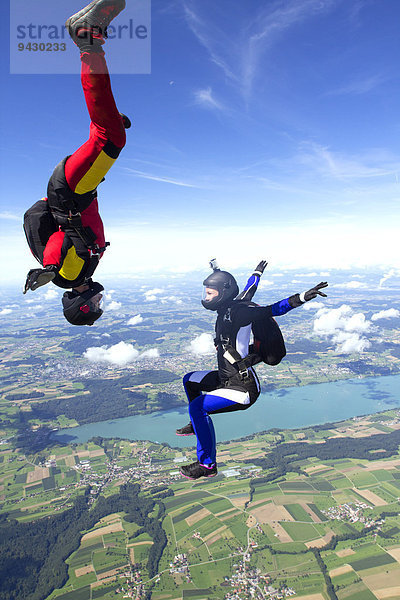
(195,376)
(206,404)
(119,138)
(196,409)
(186,378)
(112,150)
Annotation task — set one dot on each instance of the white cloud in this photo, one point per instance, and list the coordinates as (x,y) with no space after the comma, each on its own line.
(151,295)
(114,305)
(239,56)
(342,318)
(152,353)
(203,344)
(174,299)
(5,311)
(351,285)
(358,323)
(355,248)
(50,294)
(120,354)
(344,327)
(135,320)
(159,178)
(386,314)
(9,216)
(329,320)
(392,273)
(360,86)
(342,167)
(350,342)
(205,98)
(307,274)
(313,305)
(264,283)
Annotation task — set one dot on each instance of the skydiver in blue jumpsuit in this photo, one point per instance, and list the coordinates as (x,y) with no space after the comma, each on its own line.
(227,389)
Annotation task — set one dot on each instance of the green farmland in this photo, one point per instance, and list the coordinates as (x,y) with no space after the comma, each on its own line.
(329,525)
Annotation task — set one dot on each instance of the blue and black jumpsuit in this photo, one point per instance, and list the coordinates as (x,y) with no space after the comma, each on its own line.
(224,390)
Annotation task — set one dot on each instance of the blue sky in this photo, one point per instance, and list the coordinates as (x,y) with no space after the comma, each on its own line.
(266,128)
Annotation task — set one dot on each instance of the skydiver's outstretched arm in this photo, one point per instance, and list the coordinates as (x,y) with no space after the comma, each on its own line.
(252,283)
(252,313)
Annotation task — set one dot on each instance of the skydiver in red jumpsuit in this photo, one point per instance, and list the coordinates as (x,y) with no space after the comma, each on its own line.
(66,234)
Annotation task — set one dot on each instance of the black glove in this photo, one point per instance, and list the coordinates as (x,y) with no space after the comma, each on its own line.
(38,277)
(314,292)
(299,299)
(260,267)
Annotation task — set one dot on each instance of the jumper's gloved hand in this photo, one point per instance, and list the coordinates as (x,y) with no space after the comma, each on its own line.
(38,277)
(314,292)
(299,299)
(259,270)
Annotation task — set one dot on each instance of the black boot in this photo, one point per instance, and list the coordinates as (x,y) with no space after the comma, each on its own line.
(196,470)
(187,430)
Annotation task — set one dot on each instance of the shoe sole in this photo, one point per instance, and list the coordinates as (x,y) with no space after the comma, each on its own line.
(43,279)
(194,478)
(184,434)
(69,23)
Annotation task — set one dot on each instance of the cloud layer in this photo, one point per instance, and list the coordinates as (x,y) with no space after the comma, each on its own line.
(114,305)
(313,306)
(119,354)
(390,313)
(344,327)
(151,295)
(203,344)
(135,320)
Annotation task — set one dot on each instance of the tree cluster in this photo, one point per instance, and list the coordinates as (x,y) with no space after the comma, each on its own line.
(282,457)
(25,396)
(107,399)
(33,554)
(328,581)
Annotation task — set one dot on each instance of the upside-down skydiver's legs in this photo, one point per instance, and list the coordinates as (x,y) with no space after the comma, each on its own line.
(88,165)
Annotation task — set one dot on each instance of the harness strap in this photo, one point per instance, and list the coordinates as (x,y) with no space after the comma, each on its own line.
(232,355)
(242,364)
(74,221)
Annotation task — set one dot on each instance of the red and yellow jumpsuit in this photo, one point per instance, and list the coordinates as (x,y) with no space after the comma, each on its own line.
(72,186)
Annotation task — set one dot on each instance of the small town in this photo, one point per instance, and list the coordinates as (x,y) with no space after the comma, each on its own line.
(354,513)
(251,583)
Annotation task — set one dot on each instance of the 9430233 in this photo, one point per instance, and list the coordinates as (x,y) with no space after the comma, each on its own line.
(42,47)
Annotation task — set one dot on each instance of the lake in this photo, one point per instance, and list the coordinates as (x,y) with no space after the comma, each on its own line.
(288,408)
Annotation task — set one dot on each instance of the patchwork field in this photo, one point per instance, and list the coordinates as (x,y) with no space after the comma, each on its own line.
(225,532)
(293,514)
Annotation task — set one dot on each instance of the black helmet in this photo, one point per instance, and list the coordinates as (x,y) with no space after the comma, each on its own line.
(78,308)
(226,286)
